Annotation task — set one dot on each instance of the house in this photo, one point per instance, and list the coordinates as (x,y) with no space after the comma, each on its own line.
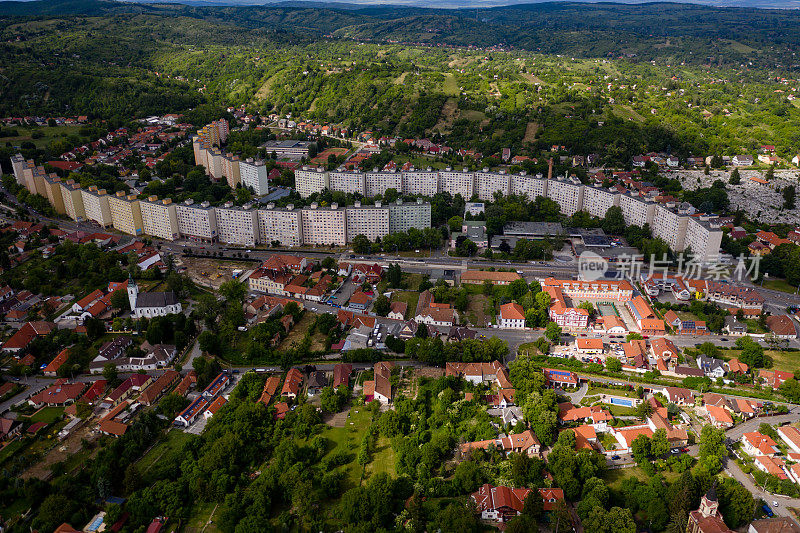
(525,442)
(782,326)
(281,408)
(589,346)
(776,524)
(476,373)
(626,435)
(774,378)
(434,314)
(719,417)
(771,465)
(216,386)
(269,390)
(755,443)
(150,304)
(791,436)
(57,394)
(155,390)
(9,428)
(187,417)
(742,160)
(383,386)
(678,396)
(398,310)
(294,380)
(676,436)
(512,316)
(359,301)
(316,382)
(594,415)
(214,406)
(613,325)
(58,361)
(341,374)
(663,348)
(479,277)
(743,407)
(711,366)
(501,504)
(24,335)
(560,378)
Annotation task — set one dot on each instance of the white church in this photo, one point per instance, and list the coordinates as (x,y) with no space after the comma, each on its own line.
(150,304)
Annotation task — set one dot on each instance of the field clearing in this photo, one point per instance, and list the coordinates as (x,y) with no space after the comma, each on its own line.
(596,391)
(49,133)
(780,285)
(450,85)
(614,478)
(171,442)
(299,331)
(202,513)
(263,91)
(410,298)
(401,79)
(323,157)
(476,310)
(530,132)
(447,117)
(472,114)
(626,111)
(535,80)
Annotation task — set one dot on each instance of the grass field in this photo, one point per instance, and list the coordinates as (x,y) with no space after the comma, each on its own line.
(173,440)
(348,438)
(594,391)
(476,311)
(450,85)
(48,134)
(410,298)
(614,478)
(47,415)
(780,285)
(201,514)
(299,331)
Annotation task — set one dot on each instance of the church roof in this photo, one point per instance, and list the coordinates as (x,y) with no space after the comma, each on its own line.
(155,299)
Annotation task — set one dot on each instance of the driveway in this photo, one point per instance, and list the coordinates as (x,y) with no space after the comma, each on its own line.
(752,424)
(577,396)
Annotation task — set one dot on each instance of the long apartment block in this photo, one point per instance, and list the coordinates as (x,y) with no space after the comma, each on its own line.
(679,226)
(680,229)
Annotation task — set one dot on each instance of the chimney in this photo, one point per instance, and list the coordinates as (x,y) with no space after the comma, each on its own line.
(550,169)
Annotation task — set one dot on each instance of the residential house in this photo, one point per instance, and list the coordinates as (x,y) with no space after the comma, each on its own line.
(512,316)
(719,417)
(316,382)
(525,442)
(57,394)
(187,417)
(678,396)
(711,366)
(214,406)
(791,436)
(398,310)
(380,387)
(774,378)
(341,374)
(589,346)
(782,326)
(755,443)
(737,367)
(560,378)
(58,361)
(502,504)
(293,383)
(771,465)
(24,335)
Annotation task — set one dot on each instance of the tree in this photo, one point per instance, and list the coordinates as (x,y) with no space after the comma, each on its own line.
(712,448)
(468,476)
(422,331)
(517,288)
(394,275)
(119,300)
(209,342)
(619,520)
(382,305)
(361,244)
(455,223)
(640,447)
(735,179)
(789,194)
(553,332)
(736,502)
(110,373)
(233,291)
(613,364)
(614,221)
(659,445)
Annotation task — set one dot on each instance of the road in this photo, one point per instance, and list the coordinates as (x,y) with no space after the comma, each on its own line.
(732,469)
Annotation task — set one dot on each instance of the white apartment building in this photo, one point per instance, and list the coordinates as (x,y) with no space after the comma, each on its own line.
(567,194)
(635,211)
(283,225)
(703,239)
(597,201)
(462,183)
(347,182)
(254,175)
(126,214)
(95,205)
(403,216)
(215,163)
(237,225)
(200,148)
(160,218)
(530,186)
(376,183)
(17,166)
(197,221)
(309,180)
(487,183)
(669,226)
(73,200)
(54,193)
(230,169)
(423,183)
(324,225)
(371,221)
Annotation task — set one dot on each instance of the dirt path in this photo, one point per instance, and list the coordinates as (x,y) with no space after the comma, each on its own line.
(449,110)
(530,132)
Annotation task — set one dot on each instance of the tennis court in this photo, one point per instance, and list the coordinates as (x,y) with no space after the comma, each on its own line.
(607,309)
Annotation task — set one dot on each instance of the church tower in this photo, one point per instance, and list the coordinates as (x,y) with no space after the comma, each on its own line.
(133,293)
(709,506)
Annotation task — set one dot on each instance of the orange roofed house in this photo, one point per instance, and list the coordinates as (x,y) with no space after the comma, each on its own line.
(512,316)
(380,388)
(525,442)
(293,383)
(504,503)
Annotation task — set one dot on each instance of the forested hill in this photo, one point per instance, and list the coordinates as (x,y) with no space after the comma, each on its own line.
(676,32)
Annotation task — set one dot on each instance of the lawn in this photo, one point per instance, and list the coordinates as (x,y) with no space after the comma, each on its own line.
(620,410)
(753,326)
(171,442)
(201,514)
(614,478)
(410,298)
(780,285)
(348,439)
(479,310)
(450,85)
(48,134)
(47,415)
(299,331)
